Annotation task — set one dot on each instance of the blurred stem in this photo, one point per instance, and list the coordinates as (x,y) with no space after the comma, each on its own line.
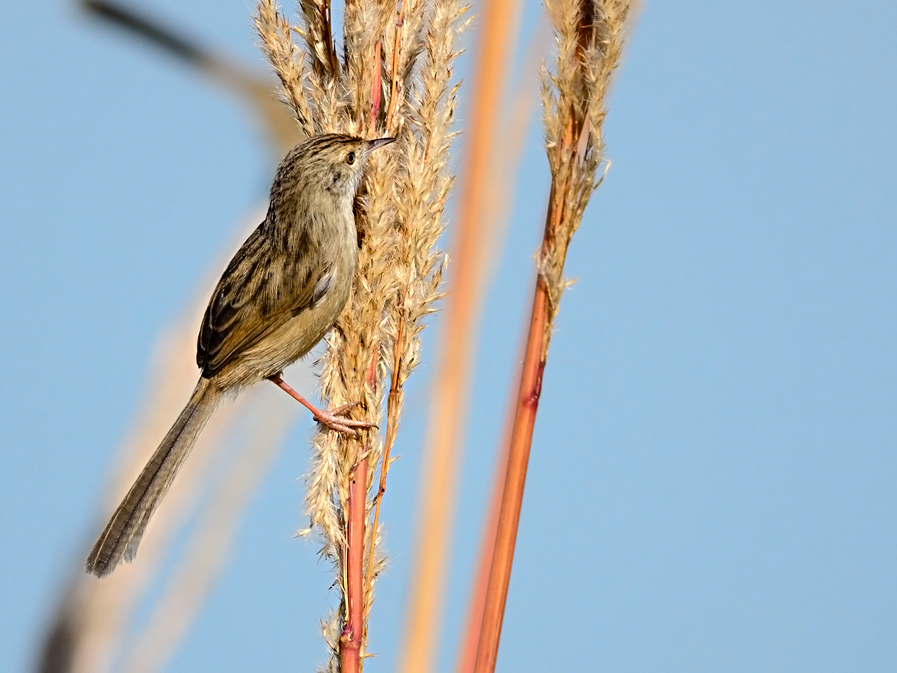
(252,88)
(508,145)
(150,29)
(351,637)
(453,373)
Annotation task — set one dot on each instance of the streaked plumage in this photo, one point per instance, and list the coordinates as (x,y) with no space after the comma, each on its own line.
(280,294)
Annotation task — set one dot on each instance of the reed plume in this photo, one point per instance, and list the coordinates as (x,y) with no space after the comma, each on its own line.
(393,78)
(589,38)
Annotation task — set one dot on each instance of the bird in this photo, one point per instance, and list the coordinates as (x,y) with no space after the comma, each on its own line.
(278,297)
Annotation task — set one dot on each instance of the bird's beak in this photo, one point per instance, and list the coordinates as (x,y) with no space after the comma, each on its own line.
(379,142)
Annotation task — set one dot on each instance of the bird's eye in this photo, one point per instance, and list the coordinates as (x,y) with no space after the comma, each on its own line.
(350,158)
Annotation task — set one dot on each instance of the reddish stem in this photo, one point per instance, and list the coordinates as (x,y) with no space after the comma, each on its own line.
(351,637)
(515,478)
(468,655)
(376,88)
(521,436)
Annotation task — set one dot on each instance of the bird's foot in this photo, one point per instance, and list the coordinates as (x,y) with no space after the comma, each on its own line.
(335,419)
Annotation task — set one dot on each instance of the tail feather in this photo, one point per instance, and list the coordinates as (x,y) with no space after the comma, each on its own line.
(121,536)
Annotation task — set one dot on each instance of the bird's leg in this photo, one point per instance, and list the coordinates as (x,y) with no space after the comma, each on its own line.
(333,418)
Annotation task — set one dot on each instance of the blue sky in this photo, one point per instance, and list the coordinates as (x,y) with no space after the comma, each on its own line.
(712,483)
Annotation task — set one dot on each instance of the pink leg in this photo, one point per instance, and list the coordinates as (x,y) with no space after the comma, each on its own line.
(333,419)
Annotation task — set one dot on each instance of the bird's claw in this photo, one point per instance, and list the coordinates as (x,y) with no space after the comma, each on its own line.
(335,420)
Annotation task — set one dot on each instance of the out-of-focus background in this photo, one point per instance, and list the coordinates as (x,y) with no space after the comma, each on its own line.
(712,483)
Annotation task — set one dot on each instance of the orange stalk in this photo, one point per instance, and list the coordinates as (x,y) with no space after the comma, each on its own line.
(476,610)
(515,479)
(529,392)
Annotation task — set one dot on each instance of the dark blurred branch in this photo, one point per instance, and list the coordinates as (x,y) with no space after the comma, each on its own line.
(256,89)
(82,608)
(57,651)
(148,28)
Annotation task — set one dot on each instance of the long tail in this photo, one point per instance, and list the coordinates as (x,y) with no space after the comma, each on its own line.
(122,534)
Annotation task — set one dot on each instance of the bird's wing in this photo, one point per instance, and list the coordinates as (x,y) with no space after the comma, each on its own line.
(258,292)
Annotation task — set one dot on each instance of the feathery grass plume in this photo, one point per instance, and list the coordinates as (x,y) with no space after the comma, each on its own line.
(285,58)
(589,37)
(318,36)
(393,79)
(424,182)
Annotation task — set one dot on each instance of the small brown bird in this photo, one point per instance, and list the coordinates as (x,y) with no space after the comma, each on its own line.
(278,297)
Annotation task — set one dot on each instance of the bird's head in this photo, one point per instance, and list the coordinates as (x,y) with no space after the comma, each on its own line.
(331,164)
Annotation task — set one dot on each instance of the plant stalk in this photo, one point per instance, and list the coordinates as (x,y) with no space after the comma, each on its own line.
(351,637)
(529,392)
(515,478)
